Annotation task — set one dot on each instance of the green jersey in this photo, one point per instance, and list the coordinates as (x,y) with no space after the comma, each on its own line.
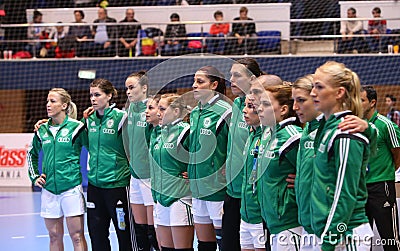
(61,155)
(304,172)
(238,133)
(277,159)
(154,132)
(207,147)
(136,138)
(109,167)
(382,167)
(338,191)
(169,160)
(250,210)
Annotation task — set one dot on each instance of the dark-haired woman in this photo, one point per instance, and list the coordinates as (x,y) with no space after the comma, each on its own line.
(209,122)
(277,159)
(243,72)
(137,133)
(108,188)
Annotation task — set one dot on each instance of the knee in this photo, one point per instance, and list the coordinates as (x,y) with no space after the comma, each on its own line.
(77,237)
(56,236)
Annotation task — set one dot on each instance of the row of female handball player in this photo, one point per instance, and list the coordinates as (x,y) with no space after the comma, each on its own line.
(276,141)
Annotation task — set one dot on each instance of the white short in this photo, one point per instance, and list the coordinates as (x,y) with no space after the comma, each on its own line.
(140,192)
(178,214)
(207,212)
(68,203)
(287,240)
(308,242)
(251,235)
(362,240)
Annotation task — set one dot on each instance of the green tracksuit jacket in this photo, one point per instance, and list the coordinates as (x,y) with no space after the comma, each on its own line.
(169,160)
(207,147)
(304,172)
(61,154)
(153,134)
(250,210)
(277,160)
(338,192)
(238,134)
(137,131)
(382,167)
(108,163)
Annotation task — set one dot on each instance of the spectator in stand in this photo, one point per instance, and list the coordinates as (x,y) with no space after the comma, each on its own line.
(104,36)
(245,33)
(34,33)
(349,43)
(218,31)
(128,34)
(375,28)
(57,33)
(80,33)
(392,114)
(172,34)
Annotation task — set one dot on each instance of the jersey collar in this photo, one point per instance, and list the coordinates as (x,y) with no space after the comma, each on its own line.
(286,122)
(210,102)
(373,118)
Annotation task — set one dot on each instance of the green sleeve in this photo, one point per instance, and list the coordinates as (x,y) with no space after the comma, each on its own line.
(291,156)
(348,164)
(84,137)
(372,135)
(392,133)
(33,158)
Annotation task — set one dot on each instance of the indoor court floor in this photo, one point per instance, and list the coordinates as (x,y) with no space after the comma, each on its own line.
(22,228)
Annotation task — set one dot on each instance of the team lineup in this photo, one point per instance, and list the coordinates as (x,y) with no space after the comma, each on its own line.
(308,165)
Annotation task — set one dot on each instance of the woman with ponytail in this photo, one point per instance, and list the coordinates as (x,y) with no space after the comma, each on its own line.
(338,190)
(209,127)
(276,160)
(168,162)
(61,139)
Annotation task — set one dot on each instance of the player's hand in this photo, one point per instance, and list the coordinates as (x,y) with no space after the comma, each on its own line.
(38,124)
(185,176)
(89,111)
(290,180)
(41,181)
(353,124)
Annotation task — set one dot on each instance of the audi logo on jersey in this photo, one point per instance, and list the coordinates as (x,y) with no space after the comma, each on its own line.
(309,145)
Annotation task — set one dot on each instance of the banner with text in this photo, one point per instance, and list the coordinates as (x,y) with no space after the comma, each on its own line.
(13,165)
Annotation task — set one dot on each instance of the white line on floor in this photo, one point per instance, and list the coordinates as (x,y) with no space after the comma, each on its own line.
(47,236)
(18,215)
(18,237)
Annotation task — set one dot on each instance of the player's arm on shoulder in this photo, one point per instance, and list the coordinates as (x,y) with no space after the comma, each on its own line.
(38,124)
(353,124)
(89,111)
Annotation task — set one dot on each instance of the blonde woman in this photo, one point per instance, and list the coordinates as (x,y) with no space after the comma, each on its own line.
(338,190)
(61,139)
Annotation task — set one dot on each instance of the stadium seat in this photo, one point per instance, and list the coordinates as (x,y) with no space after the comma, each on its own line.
(269,41)
(196,45)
